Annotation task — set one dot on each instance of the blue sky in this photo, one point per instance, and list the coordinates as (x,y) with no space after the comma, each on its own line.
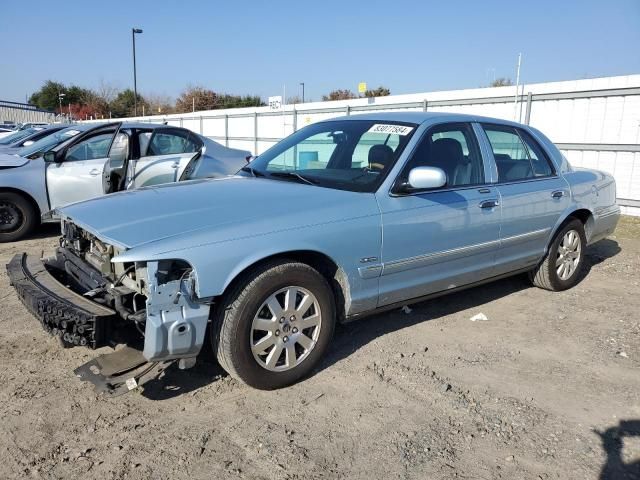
(256,47)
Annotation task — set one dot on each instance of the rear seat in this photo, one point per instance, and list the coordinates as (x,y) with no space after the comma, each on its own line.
(510,169)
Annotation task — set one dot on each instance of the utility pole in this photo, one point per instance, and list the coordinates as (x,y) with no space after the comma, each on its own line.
(135,83)
(302,84)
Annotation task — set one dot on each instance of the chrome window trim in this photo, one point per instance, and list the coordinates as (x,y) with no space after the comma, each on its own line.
(444,190)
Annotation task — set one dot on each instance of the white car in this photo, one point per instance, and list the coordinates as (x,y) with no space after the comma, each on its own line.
(104,159)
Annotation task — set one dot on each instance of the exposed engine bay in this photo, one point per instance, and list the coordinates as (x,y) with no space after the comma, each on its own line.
(83,264)
(84,298)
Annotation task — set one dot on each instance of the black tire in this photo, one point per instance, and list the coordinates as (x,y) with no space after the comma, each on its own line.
(231,331)
(546,275)
(18,217)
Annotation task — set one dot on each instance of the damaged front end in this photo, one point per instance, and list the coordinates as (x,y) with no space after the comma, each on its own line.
(84,298)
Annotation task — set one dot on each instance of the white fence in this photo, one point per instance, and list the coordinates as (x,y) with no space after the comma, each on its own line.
(595,122)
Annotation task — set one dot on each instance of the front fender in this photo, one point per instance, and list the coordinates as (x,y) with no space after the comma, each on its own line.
(216,265)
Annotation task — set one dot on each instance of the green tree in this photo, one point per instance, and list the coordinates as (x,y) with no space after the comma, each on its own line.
(47,96)
(123,104)
(239,101)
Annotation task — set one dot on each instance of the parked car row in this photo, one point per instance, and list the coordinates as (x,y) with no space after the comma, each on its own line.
(342,219)
(9,128)
(85,161)
(23,138)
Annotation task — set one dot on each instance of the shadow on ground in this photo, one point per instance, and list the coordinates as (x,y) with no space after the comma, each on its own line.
(45,230)
(355,335)
(176,382)
(613,438)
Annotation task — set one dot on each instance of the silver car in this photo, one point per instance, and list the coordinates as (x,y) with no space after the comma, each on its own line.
(103,159)
(12,146)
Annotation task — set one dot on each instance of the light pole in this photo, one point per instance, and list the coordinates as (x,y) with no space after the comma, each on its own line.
(302,84)
(135,85)
(60,96)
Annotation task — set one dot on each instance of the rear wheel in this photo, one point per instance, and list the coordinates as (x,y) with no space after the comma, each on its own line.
(563,263)
(274,325)
(18,217)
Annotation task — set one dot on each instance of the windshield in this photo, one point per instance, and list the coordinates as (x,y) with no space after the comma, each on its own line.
(48,142)
(19,135)
(353,155)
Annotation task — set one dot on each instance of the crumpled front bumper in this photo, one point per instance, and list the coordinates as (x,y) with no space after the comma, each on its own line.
(74,319)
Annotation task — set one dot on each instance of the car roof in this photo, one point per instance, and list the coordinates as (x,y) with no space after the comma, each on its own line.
(422,117)
(145,125)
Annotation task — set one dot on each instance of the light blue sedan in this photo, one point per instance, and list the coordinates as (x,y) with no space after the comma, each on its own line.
(342,219)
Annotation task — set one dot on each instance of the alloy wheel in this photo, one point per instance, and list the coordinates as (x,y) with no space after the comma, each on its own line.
(568,257)
(285,329)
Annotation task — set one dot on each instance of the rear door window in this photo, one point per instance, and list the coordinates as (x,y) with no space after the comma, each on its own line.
(171,142)
(518,156)
(539,160)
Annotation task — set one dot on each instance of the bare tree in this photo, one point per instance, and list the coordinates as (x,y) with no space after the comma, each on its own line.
(106,91)
(196,98)
(159,104)
(501,82)
(378,92)
(339,95)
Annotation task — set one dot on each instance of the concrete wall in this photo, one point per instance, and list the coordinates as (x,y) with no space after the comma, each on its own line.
(595,122)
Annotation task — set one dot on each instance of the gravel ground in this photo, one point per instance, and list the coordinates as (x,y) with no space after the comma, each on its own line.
(547,388)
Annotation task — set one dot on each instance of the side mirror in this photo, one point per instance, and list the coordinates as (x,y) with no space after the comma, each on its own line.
(49,157)
(425,178)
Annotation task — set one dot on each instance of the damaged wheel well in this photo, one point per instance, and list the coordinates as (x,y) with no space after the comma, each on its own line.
(324,264)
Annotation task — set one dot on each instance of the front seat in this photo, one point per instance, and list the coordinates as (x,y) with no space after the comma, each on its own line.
(446,154)
(380,157)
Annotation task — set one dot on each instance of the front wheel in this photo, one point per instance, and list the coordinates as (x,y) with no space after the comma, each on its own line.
(17,217)
(274,326)
(563,263)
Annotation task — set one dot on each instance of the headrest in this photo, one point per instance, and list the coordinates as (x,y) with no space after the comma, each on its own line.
(447,150)
(501,157)
(382,154)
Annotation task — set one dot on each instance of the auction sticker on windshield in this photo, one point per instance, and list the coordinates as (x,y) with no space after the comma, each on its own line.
(397,129)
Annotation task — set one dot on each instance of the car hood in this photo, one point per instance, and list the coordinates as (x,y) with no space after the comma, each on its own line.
(198,212)
(11,161)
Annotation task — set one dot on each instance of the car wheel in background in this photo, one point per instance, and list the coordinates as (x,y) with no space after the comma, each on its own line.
(18,217)
(563,263)
(274,325)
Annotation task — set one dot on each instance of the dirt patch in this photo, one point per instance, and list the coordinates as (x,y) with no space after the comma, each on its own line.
(548,387)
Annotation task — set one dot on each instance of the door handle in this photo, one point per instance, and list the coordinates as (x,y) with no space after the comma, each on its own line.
(95,172)
(557,194)
(489,203)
